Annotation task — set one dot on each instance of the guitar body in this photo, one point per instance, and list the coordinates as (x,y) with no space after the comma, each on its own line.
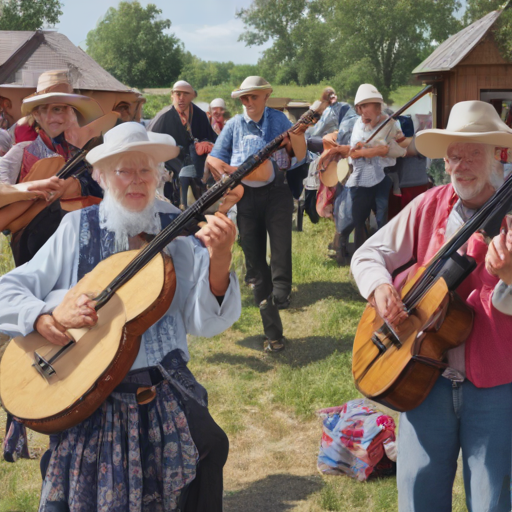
(400,376)
(90,370)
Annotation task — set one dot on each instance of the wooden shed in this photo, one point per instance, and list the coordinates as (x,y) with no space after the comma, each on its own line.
(24,55)
(468,66)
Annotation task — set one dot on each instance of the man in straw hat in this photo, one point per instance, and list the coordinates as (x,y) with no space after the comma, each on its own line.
(266,205)
(54,108)
(127,455)
(470,406)
(191,129)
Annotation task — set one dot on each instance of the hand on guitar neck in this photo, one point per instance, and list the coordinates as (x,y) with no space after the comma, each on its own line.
(386,300)
(218,236)
(73,313)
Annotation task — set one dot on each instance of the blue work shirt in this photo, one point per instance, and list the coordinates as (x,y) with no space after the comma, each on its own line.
(242,137)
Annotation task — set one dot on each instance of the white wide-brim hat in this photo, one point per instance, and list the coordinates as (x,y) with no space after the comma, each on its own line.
(367,93)
(130,137)
(469,121)
(250,84)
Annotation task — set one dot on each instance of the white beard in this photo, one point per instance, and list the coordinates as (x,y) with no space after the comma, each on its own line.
(124,223)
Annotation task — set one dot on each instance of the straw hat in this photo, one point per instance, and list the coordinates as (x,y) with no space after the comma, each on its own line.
(368,93)
(469,121)
(134,137)
(55,87)
(252,83)
(183,86)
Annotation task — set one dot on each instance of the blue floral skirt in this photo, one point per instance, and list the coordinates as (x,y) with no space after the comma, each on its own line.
(124,458)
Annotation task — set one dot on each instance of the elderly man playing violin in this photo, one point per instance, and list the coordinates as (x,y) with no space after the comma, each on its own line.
(470,406)
(128,455)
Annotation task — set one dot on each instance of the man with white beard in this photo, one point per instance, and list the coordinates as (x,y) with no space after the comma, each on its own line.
(131,456)
(470,406)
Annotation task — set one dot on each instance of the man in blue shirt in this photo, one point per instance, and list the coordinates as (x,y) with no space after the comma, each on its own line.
(267,203)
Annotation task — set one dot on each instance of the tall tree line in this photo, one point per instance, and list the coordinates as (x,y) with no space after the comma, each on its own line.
(347,41)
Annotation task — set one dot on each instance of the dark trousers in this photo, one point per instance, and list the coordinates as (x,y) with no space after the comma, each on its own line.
(261,210)
(196,185)
(358,204)
(204,494)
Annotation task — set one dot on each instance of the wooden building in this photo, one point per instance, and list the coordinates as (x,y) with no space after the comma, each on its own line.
(468,66)
(24,55)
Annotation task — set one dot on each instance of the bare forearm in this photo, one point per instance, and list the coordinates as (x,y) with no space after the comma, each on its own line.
(220,261)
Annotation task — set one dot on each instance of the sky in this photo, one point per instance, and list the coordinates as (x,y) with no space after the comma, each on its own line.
(208,28)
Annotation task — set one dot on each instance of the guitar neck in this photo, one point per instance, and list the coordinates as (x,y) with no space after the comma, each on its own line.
(208,199)
(493,210)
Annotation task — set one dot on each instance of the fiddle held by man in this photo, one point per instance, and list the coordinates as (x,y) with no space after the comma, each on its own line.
(148,449)
(469,407)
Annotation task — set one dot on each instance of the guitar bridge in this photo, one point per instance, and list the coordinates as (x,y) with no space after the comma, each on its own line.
(45,366)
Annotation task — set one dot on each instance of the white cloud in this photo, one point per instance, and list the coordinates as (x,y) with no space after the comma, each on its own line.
(218,42)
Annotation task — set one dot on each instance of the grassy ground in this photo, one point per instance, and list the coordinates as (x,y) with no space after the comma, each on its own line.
(267,403)
(159,98)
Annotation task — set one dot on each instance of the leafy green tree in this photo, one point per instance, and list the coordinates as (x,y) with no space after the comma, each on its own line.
(201,73)
(392,35)
(315,40)
(502,29)
(239,72)
(28,14)
(130,43)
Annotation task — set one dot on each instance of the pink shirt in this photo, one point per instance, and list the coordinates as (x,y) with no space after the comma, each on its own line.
(417,233)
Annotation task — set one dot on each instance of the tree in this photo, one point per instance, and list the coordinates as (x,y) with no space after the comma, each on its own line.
(130,43)
(392,35)
(316,40)
(28,14)
(477,9)
(290,24)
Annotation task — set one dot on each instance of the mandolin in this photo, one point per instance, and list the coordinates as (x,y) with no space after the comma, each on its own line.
(52,388)
(398,369)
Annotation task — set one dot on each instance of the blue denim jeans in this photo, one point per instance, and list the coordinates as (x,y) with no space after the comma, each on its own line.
(456,417)
(354,205)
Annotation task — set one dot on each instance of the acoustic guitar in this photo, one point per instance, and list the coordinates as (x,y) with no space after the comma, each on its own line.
(398,368)
(52,388)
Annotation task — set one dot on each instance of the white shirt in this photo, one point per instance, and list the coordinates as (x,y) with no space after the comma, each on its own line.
(10,163)
(368,172)
(40,285)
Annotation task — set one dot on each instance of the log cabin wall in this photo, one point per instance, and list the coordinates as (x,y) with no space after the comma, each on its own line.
(484,69)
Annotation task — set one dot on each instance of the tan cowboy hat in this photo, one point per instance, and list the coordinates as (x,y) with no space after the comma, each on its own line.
(250,84)
(368,93)
(469,121)
(132,136)
(55,87)
(183,86)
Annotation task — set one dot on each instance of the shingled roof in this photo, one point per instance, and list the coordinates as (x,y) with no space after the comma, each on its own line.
(457,47)
(24,62)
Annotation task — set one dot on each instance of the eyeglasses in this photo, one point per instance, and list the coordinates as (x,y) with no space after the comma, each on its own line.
(128,175)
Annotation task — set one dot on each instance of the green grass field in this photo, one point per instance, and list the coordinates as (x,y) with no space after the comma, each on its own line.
(267,402)
(156,100)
